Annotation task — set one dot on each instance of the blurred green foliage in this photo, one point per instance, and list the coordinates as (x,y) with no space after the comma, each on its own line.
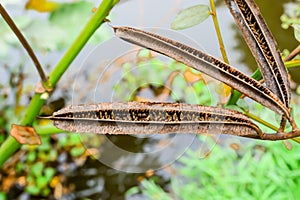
(52,31)
(163,78)
(3,196)
(291,18)
(257,170)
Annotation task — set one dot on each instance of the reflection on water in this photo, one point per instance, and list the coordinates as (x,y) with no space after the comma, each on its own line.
(137,155)
(98,181)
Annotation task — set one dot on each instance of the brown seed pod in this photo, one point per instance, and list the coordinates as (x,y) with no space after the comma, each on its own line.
(147,118)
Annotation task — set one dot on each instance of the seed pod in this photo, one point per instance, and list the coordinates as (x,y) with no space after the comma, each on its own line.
(262,45)
(206,64)
(148,118)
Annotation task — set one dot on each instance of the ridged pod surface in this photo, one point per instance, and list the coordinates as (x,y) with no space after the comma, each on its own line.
(262,45)
(147,118)
(206,64)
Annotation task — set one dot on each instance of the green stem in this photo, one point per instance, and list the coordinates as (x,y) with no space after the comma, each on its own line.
(33,110)
(292,63)
(261,121)
(218,31)
(10,145)
(48,129)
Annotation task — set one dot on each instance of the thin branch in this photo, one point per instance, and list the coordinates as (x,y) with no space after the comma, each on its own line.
(280,136)
(218,31)
(293,54)
(261,121)
(23,41)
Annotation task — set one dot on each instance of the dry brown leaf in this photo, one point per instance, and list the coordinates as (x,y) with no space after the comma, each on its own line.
(25,135)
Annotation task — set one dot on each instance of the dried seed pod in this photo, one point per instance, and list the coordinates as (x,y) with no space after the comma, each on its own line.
(148,118)
(262,45)
(206,64)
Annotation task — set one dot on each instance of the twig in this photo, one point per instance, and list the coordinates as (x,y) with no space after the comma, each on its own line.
(281,136)
(218,31)
(293,54)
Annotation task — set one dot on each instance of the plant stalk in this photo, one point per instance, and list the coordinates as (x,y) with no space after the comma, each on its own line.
(218,31)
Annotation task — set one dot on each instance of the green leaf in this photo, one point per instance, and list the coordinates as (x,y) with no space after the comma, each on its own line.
(45,192)
(49,173)
(63,141)
(32,189)
(154,191)
(74,139)
(31,156)
(77,151)
(190,95)
(37,169)
(71,14)
(70,18)
(3,196)
(61,29)
(178,88)
(297,31)
(41,182)
(132,191)
(19,167)
(52,155)
(190,17)
(46,37)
